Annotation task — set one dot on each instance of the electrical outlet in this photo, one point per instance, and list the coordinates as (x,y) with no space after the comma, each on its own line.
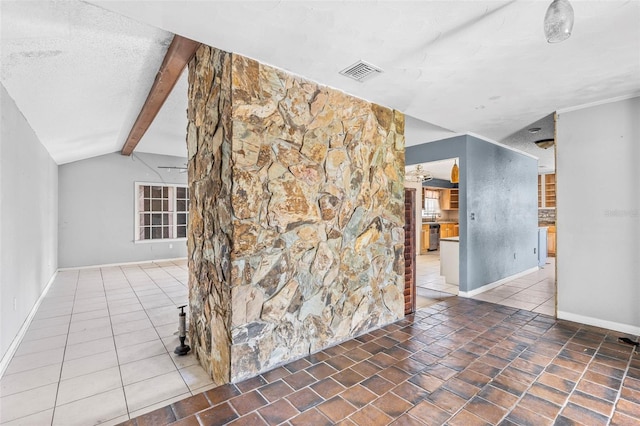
(170,246)
(15,304)
(534,250)
(514,255)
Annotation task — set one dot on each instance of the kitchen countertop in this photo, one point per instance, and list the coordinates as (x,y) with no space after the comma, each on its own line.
(451,239)
(444,221)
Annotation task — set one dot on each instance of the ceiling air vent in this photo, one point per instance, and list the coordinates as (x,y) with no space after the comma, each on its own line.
(361,71)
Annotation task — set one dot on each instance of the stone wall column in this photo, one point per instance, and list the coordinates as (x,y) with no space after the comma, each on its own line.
(209,240)
(297,213)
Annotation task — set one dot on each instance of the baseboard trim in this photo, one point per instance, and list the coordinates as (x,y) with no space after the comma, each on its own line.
(495,284)
(109,265)
(597,322)
(8,356)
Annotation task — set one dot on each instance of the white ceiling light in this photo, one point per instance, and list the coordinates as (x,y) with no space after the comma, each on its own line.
(419,174)
(545,143)
(558,21)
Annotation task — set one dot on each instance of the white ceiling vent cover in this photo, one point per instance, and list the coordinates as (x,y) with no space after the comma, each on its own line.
(361,71)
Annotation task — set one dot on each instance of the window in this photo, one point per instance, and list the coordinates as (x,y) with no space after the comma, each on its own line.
(162,211)
(431,201)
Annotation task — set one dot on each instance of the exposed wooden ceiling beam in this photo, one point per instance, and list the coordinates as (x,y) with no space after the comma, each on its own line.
(178,56)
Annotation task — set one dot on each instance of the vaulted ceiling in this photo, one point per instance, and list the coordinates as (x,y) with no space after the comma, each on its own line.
(80,71)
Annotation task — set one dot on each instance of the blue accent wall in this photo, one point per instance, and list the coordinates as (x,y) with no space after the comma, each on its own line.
(498,188)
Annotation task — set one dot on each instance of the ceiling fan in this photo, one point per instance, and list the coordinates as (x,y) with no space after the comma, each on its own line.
(181,169)
(419,174)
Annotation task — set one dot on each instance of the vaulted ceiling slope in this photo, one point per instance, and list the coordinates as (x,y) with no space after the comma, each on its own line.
(80,71)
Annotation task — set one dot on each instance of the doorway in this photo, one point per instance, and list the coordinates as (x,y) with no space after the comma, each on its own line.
(436,214)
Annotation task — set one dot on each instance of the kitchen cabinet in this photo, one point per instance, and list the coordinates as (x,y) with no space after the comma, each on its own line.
(551,241)
(449,199)
(424,238)
(539,191)
(448,230)
(547,191)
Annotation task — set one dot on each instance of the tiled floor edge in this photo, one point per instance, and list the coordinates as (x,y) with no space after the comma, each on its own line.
(597,322)
(491,286)
(13,347)
(112,265)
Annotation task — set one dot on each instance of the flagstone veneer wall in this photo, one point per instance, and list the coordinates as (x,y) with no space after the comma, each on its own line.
(296,217)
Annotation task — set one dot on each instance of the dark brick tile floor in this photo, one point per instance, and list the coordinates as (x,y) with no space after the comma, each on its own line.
(459,362)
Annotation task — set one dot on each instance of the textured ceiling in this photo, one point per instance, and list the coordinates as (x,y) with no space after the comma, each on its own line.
(524,140)
(80,73)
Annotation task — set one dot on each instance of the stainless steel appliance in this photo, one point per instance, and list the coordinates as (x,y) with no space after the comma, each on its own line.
(434,236)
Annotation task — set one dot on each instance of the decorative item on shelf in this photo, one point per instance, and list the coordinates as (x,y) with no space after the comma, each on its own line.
(558,21)
(182,332)
(455,172)
(545,143)
(419,174)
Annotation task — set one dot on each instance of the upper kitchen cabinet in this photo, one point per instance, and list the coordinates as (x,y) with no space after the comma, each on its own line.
(547,191)
(449,199)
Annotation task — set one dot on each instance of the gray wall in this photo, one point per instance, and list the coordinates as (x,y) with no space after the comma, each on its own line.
(502,195)
(598,215)
(499,186)
(97,207)
(28,219)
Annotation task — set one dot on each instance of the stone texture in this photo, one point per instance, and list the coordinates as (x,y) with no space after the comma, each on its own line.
(299,210)
(209,239)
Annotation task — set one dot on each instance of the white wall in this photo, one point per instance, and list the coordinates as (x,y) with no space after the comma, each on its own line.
(97,208)
(28,219)
(598,215)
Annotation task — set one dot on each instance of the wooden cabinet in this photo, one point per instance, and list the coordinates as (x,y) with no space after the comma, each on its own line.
(449,199)
(540,178)
(424,238)
(448,230)
(547,191)
(551,241)
(550,190)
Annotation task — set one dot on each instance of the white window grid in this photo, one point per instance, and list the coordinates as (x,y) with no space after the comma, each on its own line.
(162,211)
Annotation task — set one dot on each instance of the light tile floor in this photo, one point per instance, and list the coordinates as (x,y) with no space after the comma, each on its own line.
(100,349)
(428,273)
(534,292)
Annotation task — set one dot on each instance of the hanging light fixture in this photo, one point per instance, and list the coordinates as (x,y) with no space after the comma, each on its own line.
(558,21)
(419,174)
(455,172)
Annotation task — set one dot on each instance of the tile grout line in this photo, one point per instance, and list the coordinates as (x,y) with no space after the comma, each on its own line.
(461,408)
(115,347)
(156,331)
(575,387)
(540,374)
(186,327)
(64,352)
(619,392)
(126,277)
